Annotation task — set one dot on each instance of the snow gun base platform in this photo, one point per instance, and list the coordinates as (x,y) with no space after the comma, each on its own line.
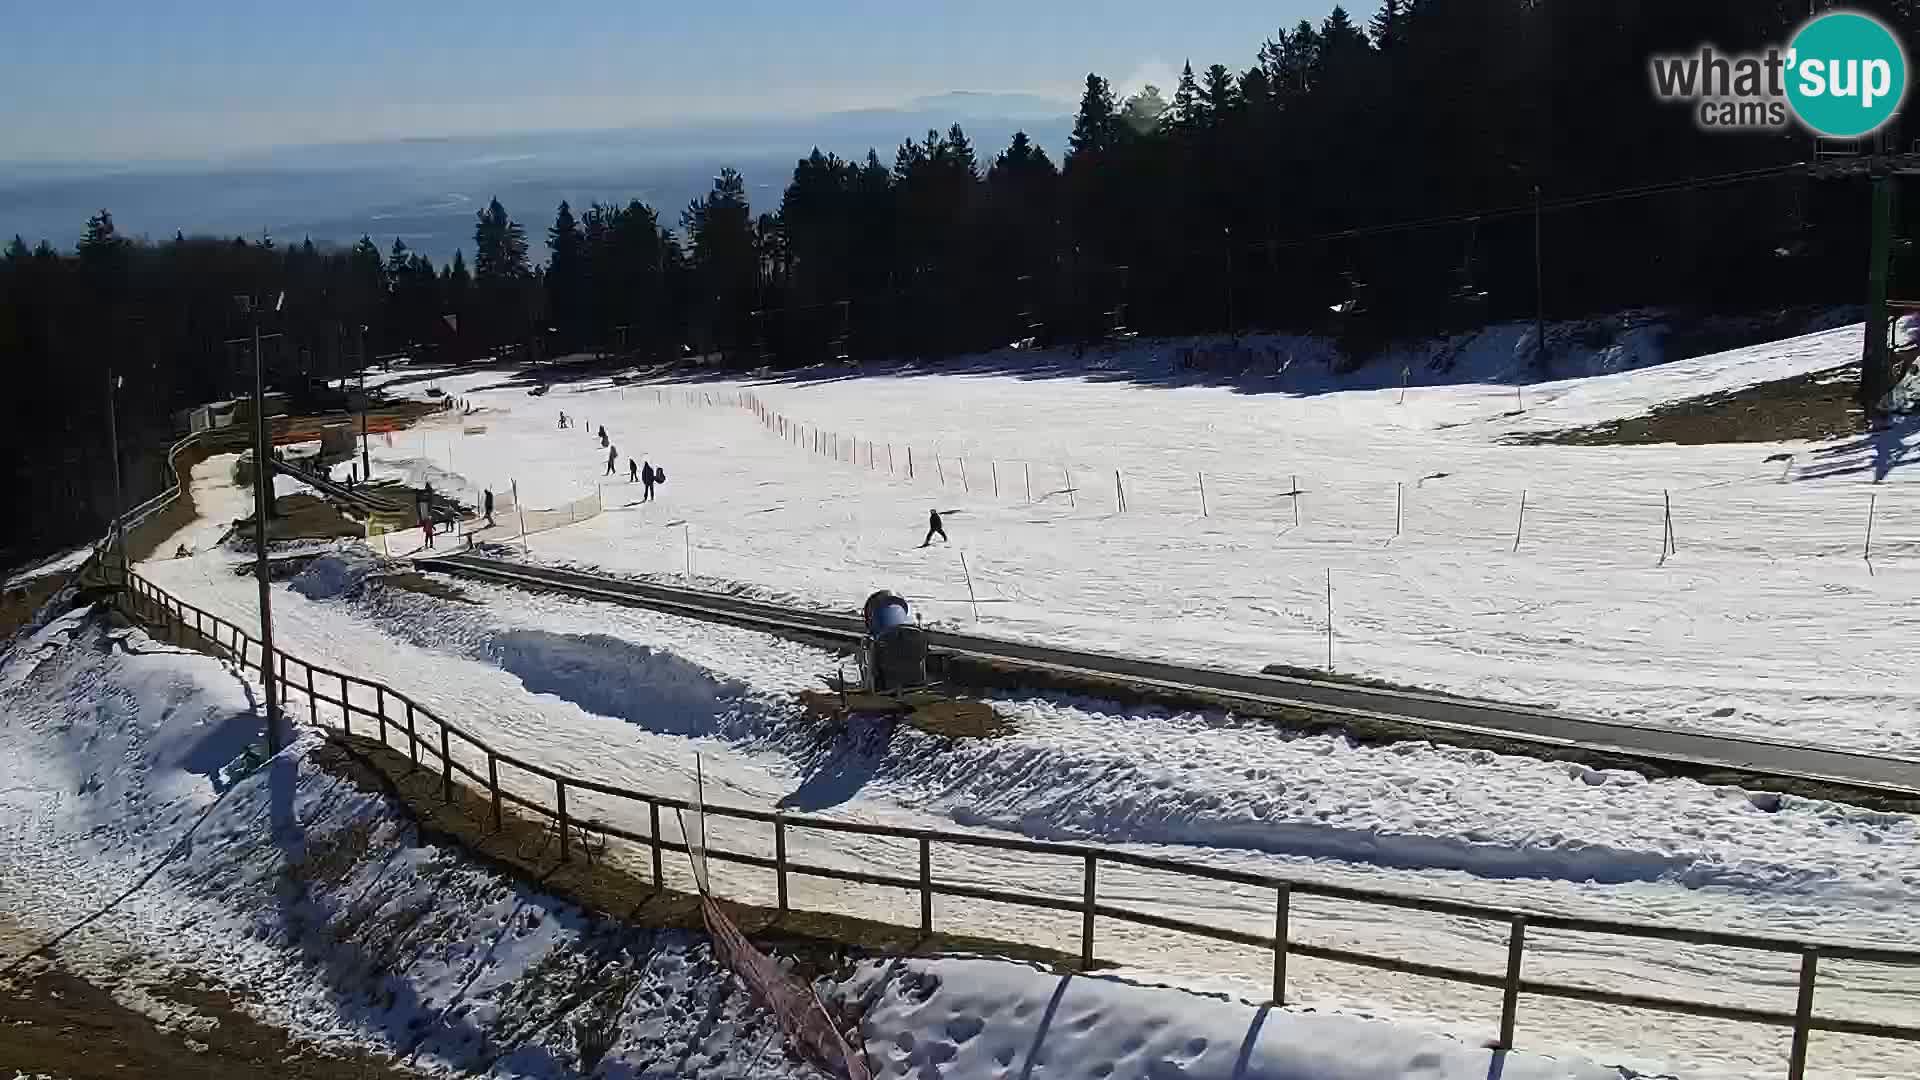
(928,708)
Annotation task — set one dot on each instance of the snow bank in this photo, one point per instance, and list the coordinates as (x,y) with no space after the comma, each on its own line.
(337,573)
(964,1018)
(310,899)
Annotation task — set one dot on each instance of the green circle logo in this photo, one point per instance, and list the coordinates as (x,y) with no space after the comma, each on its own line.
(1846,75)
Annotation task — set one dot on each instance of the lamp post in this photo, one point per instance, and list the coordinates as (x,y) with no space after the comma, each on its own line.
(114,382)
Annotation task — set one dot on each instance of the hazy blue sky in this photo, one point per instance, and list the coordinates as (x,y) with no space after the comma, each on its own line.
(190,78)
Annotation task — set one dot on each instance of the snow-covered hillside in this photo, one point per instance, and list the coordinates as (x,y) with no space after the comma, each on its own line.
(127,791)
(1766,620)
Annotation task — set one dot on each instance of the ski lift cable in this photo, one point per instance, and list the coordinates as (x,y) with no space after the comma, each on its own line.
(1567,203)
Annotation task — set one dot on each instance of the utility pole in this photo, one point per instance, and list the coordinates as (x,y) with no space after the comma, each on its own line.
(262,510)
(1539,292)
(1227,237)
(366,466)
(119,501)
(1875,361)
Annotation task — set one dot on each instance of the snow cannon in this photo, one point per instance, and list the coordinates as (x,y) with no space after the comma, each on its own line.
(895,653)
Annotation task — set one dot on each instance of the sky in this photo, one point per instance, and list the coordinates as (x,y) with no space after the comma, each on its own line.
(143,79)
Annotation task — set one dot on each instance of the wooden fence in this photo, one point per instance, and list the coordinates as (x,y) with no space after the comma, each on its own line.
(390,714)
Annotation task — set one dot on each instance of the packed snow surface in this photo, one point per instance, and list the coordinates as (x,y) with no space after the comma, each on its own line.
(1744,628)
(130,792)
(1766,620)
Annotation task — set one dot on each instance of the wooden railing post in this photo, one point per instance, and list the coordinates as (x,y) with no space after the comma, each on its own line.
(1510,998)
(413,744)
(493,787)
(1086,915)
(346,712)
(1280,930)
(653,818)
(446,766)
(780,858)
(926,886)
(560,799)
(1803,1015)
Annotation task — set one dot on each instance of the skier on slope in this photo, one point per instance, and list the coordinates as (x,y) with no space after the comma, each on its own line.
(934,527)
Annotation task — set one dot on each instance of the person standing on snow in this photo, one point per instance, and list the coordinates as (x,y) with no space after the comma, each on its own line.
(633,471)
(935,528)
(647,477)
(488,502)
(613,455)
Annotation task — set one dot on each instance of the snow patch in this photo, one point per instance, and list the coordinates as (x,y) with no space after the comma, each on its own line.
(336,574)
(979,1018)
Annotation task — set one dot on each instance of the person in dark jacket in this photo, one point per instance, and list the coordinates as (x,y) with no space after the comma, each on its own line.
(649,478)
(633,471)
(487,502)
(935,528)
(613,455)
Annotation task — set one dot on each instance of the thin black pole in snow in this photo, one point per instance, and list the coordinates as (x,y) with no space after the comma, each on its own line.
(971,599)
(968,488)
(1866,552)
(1065,472)
(1667,501)
(1329,620)
(994,466)
(939,467)
(1296,500)
(1028,467)
(1203,493)
(1119,493)
(889,459)
(1521,523)
(909,461)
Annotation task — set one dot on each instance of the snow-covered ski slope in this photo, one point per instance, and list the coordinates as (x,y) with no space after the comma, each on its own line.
(137,833)
(629,696)
(1766,621)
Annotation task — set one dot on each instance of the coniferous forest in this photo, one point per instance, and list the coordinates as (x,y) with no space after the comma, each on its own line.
(1411,162)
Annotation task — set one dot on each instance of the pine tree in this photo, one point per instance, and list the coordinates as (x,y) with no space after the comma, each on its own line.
(1096,124)
(499,245)
(565,281)
(99,240)
(960,153)
(1188,115)
(1386,25)
(1219,95)
(17,251)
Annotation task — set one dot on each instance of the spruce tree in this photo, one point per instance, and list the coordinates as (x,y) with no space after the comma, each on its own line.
(1096,123)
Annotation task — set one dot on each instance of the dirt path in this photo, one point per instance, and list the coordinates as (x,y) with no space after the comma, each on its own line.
(58,1024)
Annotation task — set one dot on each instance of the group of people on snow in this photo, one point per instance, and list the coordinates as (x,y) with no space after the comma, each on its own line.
(638,472)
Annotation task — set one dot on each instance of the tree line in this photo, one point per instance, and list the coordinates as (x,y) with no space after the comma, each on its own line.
(1218,205)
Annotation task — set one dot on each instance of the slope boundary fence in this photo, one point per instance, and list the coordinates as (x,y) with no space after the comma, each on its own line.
(355,706)
(1634,518)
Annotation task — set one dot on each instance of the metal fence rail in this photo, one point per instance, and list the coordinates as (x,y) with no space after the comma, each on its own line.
(434,748)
